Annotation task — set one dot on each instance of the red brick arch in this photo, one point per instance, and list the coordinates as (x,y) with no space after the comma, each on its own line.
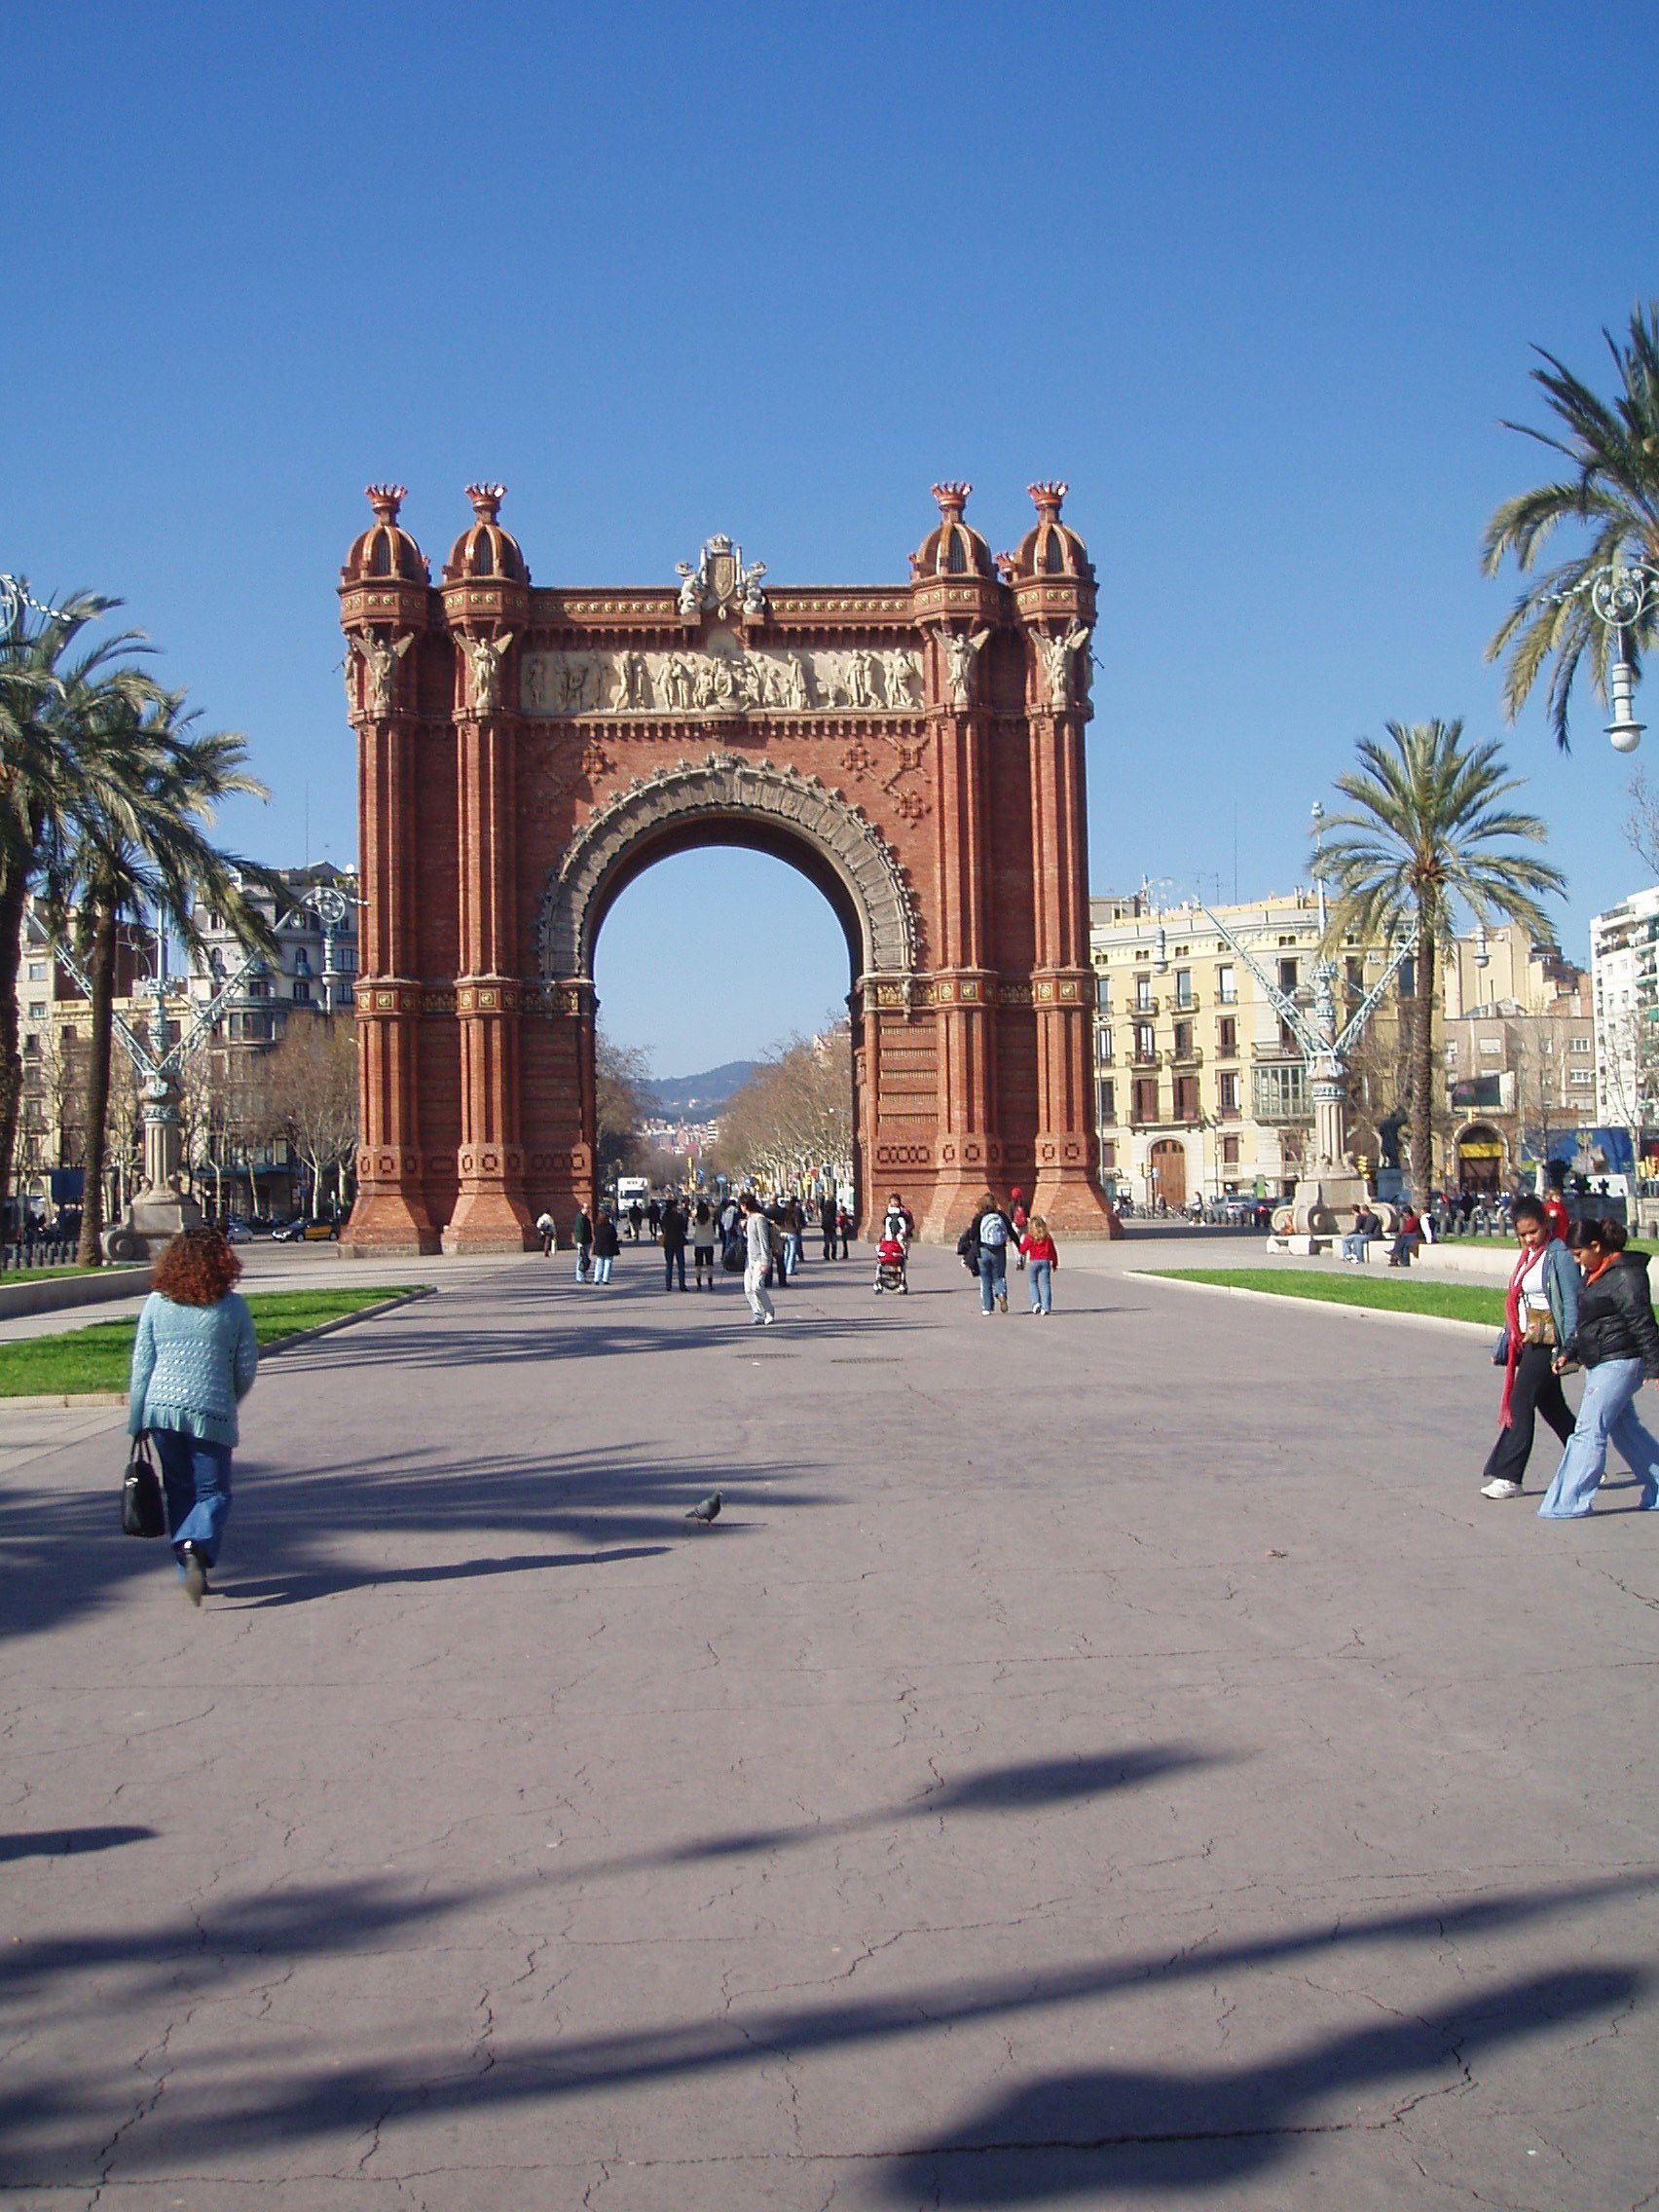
(916,750)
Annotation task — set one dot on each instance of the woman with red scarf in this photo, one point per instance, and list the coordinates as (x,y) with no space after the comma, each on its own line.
(1540,1316)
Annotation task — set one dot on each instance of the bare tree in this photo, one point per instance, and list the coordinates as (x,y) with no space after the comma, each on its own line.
(793,1120)
(621,1103)
(308,1093)
(1642,823)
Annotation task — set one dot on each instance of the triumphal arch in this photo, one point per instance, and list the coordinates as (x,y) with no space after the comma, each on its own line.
(526,751)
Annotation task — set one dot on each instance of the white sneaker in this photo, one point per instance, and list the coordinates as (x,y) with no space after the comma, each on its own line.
(766,1320)
(1498,1488)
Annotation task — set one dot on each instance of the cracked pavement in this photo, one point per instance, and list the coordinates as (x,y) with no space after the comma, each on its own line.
(1114,1764)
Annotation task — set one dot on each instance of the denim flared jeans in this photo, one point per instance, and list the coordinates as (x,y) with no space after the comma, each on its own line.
(993,1274)
(1042,1286)
(196,1477)
(1606,1415)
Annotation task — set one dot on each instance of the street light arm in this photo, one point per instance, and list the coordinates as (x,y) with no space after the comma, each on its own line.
(209,1015)
(1373,998)
(132,1044)
(1286,1008)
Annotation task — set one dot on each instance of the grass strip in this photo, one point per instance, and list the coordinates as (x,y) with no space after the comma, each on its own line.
(1446,1301)
(100,1357)
(46,1274)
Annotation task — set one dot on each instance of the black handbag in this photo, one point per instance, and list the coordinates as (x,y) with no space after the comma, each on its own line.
(142,1513)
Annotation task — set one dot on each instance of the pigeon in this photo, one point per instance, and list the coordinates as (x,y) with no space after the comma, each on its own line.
(706,1509)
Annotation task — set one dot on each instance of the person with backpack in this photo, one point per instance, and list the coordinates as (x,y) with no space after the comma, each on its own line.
(607,1245)
(993,1233)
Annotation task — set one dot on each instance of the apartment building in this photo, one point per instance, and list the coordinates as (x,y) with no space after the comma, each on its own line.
(1624,973)
(1200,1087)
(1519,1047)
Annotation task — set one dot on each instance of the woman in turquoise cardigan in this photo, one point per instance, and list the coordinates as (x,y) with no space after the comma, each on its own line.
(193,1362)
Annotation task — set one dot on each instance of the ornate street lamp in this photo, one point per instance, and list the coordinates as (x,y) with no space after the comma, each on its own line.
(1621,598)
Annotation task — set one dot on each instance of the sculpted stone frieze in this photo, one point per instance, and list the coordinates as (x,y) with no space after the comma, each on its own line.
(724,681)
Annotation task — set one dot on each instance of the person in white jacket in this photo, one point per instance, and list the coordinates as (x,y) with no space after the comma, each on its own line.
(758,1234)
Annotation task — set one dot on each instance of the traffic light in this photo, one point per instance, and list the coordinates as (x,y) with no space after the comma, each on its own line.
(1363,1165)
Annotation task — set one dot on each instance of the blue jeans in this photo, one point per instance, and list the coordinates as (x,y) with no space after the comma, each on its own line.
(993,1274)
(196,1476)
(1606,1415)
(1042,1286)
(601,1268)
(673,1256)
(792,1253)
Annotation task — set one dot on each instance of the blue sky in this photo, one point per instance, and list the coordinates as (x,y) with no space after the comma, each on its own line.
(1260,280)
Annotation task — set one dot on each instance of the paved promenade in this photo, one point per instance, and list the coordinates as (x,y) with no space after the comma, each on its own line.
(1117,1760)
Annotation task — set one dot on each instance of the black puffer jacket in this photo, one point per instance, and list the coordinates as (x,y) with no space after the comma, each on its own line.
(1615,1317)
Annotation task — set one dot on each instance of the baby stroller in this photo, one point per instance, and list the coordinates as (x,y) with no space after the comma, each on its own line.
(890,1266)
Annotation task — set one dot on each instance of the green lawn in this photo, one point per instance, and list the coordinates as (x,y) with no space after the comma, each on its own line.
(1391,1294)
(100,1357)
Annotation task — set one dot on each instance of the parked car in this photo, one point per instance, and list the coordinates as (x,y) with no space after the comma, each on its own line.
(237,1233)
(303,1230)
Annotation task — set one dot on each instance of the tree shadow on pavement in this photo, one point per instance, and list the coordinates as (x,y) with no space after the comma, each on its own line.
(1147,2127)
(61,1843)
(1103,2133)
(61,1554)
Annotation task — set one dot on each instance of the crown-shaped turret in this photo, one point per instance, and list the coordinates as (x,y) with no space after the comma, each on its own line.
(486,550)
(386,548)
(1052,577)
(952,576)
(385,585)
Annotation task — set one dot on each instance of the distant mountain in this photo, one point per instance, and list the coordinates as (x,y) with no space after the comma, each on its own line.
(696,1096)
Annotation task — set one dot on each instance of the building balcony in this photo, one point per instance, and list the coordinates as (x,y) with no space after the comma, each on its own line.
(1187,1005)
(1142,1010)
(1278,1054)
(1193,1058)
(1139,1061)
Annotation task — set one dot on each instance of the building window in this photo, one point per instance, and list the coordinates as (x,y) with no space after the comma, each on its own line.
(1227,1036)
(1287,975)
(1108,1103)
(1230,1152)
(1183,986)
(1146,1099)
(31,1046)
(37,971)
(1281,1092)
(1183,1040)
(1186,1097)
(1228,1094)
(1146,1047)
(259,990)
(1356,978)
(1490,1048)
(1143,992)
(1287,1037)
(302,994)
(1227,984)
(1102,993)
(1580,1078)
(1105,1037)
(1578,1044)
(37,1009)
(1452,1053)
(302,962)
(1109,1156)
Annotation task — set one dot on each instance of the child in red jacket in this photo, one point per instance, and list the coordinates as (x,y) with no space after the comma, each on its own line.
(1037,1251)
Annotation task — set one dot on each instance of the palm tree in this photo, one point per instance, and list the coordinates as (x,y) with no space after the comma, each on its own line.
(56,692)
(138,841)
(1613,449)
(1429,830)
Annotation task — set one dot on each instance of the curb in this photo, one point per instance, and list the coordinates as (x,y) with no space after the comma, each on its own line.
(94,1398)
(1279,1299)
(345,1321)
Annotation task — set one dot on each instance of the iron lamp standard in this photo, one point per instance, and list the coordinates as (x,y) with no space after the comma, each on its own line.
(1622,596)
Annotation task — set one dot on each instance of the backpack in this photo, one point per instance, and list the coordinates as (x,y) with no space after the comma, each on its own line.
(993,1231)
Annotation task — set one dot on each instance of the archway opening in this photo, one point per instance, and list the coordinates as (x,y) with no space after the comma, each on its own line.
(723,959)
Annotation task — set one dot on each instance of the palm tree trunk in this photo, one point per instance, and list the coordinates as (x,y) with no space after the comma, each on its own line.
(1423,1064)
(14,895)
(102,970)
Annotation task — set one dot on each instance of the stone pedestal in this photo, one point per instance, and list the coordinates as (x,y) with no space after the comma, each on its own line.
(160,1209)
